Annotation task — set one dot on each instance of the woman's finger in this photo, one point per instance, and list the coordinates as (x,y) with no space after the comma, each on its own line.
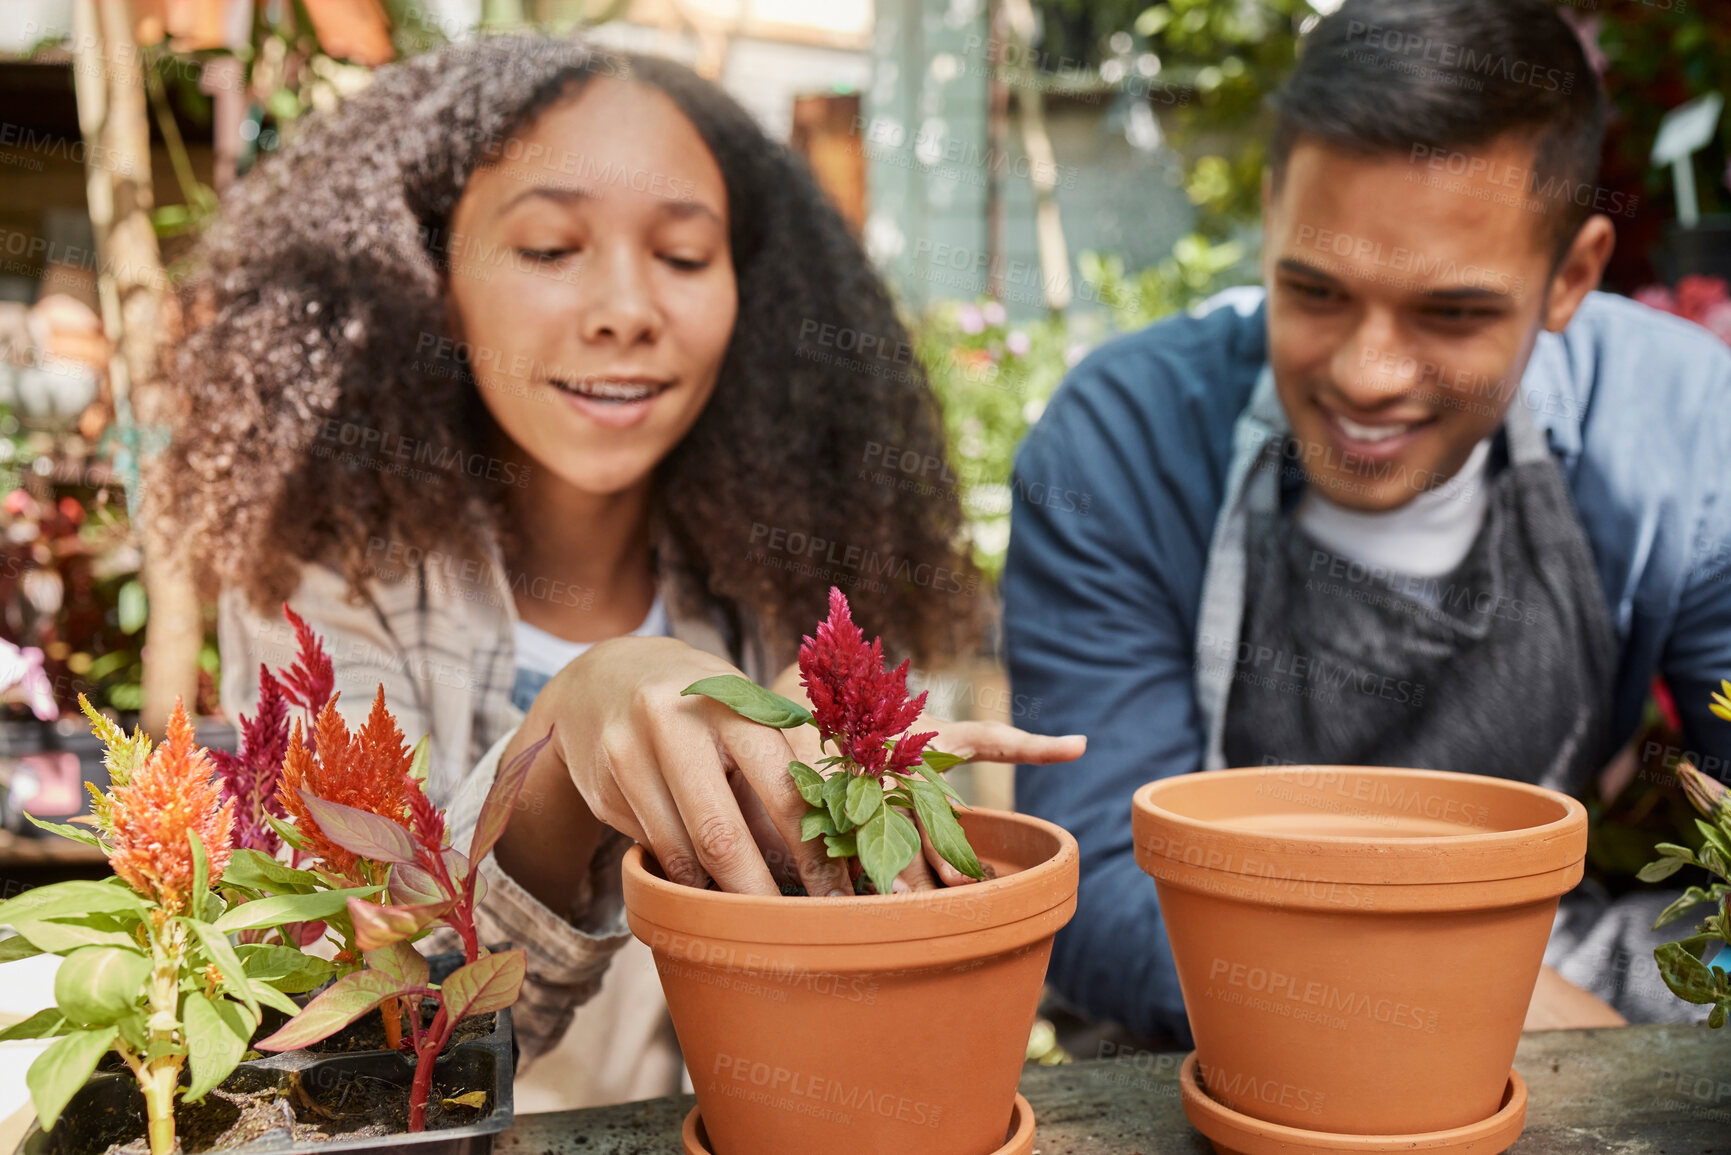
(915,876)
(1000,742)
(762,754)
(946,873)
(770,843)
(659,824)
(696,780)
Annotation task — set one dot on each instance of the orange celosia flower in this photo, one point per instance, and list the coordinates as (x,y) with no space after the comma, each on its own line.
(368,770)
(172,793)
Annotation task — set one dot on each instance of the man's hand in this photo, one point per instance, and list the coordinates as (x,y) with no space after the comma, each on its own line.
(1559,1004)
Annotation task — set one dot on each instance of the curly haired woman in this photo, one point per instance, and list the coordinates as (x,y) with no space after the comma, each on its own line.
(504,375)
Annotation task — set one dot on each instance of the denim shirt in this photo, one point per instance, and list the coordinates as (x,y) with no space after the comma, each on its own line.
(1117,495)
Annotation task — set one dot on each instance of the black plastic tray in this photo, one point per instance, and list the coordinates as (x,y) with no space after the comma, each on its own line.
(90,1123)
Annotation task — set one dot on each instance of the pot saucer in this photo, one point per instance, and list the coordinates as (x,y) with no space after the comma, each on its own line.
(1020,1141)
(1233,1133)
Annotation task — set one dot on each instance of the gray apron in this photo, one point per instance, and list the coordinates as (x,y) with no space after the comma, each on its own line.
(1504,666)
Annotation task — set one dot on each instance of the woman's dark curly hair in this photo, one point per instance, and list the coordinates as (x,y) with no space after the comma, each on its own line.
(315,297)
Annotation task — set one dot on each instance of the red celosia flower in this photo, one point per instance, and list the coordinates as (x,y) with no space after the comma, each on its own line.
(310,682)
(368,770)
(857,703)
(170,794)
(250,776)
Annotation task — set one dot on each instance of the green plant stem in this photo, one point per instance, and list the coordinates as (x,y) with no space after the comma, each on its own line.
(161,1073)
(159,1083)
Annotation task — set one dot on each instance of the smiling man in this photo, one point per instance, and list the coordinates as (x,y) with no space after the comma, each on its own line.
(1427,499)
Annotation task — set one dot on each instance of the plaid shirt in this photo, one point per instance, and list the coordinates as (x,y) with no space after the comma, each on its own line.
(439,637)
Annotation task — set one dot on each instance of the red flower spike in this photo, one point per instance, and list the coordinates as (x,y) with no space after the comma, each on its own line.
(250,776)
(310,683)
(171,794)
(856,703)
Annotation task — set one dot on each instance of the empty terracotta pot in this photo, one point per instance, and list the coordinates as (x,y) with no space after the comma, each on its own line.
(1357,946)
(873,1025)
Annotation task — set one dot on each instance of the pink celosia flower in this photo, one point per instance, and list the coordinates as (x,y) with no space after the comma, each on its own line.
(857,703)
(171,794)
(250,776)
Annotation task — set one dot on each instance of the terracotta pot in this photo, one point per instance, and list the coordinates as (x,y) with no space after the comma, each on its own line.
(1357,946)
(893,1024)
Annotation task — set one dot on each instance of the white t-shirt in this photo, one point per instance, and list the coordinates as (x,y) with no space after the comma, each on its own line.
(1425,538)
(540,654)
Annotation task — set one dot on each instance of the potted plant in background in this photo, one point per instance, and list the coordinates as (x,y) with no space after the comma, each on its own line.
(1297,899)
(1693,974)
(881,1021)
(175,964)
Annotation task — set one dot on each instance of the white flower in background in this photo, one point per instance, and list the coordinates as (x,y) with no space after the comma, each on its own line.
(22,679)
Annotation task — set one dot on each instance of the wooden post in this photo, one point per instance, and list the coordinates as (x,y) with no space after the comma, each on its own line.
(114,120)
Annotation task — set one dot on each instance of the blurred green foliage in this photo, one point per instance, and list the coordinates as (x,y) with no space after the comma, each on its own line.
(1231,54)
(994,376)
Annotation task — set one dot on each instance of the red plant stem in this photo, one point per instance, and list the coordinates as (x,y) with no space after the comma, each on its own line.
(425,1055)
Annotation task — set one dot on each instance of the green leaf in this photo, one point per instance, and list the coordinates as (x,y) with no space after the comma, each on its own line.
(1715,838)
(1716,1019)
(488,984)
(44,1024)
(841,845)
(15,946)
(346,1000)
(61,899)
(216,945)
(65,830)
(809,781)
(1689,899)
(379,926)
(1672,850)
(200,873)
(269,996)
(257,870)
(814,823)
(945,832)
(283,967)
(361,832)
(937,779)
(835,797)
(59,1071)
(59,935)
(887,843)
(98,985)
(287,831)
(401,962)
(283,908)
(216,1036)
(937,761)
(865,797)
(750,700)
(1689,978)
(420,766)
(1660,870)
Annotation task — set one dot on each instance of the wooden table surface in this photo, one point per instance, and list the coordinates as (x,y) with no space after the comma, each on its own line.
(1627,1090)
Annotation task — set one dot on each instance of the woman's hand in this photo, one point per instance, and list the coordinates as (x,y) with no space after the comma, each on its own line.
(667,770)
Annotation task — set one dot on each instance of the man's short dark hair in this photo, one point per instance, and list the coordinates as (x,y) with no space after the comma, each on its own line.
(1436,79)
